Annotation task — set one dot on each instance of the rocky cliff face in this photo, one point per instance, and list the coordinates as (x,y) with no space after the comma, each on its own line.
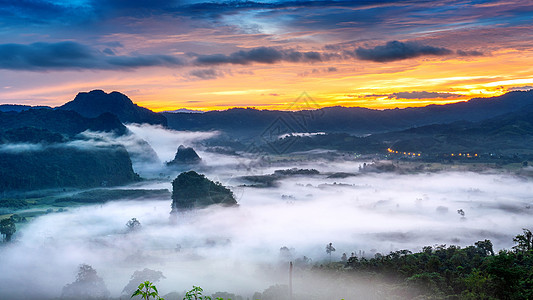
(185,156)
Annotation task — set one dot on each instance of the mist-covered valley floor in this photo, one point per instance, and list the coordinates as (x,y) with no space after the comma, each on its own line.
(237,249)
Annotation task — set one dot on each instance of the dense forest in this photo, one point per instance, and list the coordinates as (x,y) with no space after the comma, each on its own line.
(61,167)
(440,272)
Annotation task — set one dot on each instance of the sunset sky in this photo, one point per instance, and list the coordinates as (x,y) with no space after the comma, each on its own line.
(168,54)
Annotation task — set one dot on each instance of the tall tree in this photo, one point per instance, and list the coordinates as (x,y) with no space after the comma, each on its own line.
(88,285)
(133,224)
(485,247)
(8,228)
(329,249)
(524,241)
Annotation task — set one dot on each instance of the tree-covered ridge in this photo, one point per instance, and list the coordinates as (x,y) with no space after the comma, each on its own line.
(30,135)
(43,149)
(64,122)
(191,189)
(473,272)
(63,166)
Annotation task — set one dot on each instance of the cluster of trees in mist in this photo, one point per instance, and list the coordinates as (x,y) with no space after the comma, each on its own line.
(191,189)
(440,272)
(473,272)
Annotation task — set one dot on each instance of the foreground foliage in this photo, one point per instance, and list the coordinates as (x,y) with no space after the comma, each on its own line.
(147,290)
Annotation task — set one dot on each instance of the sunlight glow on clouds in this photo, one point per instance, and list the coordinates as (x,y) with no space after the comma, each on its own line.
(196,54)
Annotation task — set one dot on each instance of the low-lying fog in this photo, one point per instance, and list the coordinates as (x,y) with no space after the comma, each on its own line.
(238,249)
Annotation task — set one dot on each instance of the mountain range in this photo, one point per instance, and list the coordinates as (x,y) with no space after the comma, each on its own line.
(248,122)
(502,125)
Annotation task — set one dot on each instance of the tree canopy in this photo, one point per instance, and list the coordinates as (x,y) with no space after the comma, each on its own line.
(191,189)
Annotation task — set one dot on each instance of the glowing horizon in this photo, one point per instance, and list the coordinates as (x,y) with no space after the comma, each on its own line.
(219,55)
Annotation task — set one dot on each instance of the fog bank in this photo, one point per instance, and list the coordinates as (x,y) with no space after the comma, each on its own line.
(238,249)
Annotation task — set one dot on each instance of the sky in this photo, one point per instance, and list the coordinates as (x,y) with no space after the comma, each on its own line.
(167,54)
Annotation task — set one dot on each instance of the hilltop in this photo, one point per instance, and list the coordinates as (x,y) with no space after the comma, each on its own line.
(97,102)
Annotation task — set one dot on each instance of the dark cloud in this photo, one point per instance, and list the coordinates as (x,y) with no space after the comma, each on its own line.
(332,47)
(421,95)
(520,88)
(206,73)
(108,51)
(265,55)
(469,53)
(30,12)
(114,44)
(373,95)
(412,95)
(71,55)
(395,50)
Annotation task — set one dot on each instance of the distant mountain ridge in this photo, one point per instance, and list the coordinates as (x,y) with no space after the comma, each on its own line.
(19,107)
(185,110)
(97,102)
(508,134)
(354,120)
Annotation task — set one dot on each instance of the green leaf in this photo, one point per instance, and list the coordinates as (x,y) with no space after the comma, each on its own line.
(137,292)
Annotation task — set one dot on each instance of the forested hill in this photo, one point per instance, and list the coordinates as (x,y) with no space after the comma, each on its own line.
(60,121)
(37,151)
(59,166)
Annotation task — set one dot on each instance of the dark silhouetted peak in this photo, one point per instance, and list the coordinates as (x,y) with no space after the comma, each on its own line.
(97,102)
(185,155)
(191,189)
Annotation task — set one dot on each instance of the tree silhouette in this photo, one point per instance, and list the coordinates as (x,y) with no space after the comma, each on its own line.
(525,241)
(8,228)
(133,224)
(88,285)
(329,249)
